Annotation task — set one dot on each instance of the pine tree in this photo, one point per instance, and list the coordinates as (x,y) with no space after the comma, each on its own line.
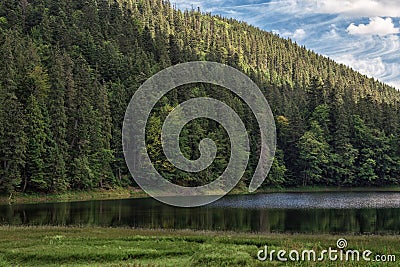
(101,154)
(35,178)
(12,142)
(57,154)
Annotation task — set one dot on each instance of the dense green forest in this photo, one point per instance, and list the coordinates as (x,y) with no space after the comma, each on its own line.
(69,68)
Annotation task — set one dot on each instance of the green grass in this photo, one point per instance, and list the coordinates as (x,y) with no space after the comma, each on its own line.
(99,194)
(72,246)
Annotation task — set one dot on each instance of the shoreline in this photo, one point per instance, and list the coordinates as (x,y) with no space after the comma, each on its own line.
(72,196)
(132,192)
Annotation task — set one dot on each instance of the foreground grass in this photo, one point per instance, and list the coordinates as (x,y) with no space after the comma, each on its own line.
(71,246)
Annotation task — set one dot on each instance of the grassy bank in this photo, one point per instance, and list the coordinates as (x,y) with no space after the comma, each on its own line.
(116,193)
(132,192)
(55,246)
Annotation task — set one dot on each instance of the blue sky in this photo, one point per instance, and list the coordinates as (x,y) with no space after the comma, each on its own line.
(363,34)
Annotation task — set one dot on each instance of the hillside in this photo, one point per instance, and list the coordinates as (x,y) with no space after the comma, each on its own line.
(69,69)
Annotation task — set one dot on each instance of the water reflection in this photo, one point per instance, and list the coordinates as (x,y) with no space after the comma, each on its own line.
(327,200)
(223,215)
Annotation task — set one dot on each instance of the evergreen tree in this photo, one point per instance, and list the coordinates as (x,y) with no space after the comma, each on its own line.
(314,155)
(57,154)
(13,142)
(35,177)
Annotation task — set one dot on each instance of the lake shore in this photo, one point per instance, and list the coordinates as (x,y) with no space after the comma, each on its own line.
(132,192)
(99,194)
(87,246)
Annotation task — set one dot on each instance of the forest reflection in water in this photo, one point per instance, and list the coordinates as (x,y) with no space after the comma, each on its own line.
(377,213)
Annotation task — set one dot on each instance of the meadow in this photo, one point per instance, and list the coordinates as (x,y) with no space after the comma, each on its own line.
(78,246)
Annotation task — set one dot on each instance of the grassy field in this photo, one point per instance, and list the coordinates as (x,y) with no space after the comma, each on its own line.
(56,246)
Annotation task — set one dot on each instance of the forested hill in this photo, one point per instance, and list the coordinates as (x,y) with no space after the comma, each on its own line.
(69,68)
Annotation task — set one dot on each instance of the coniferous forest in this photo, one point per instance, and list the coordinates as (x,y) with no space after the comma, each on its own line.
(69,68)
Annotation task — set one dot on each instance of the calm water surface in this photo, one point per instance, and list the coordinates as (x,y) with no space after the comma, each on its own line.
(373,213)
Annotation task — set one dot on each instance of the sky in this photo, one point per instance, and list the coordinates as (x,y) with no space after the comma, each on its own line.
(363,34)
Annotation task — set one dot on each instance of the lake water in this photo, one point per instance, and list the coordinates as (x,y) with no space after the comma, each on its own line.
(374,213)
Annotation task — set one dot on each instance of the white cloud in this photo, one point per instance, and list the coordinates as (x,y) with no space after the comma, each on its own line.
(332,34)
(358,8)
(354,8)
(299,34)
(375,56)
(373,67)
(370,67)
(395,84)
(376,26)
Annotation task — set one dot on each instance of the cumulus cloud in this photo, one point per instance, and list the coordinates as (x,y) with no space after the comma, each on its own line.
(376,26)
(299,34)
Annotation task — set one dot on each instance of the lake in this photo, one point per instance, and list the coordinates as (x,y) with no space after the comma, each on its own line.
(344,212)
